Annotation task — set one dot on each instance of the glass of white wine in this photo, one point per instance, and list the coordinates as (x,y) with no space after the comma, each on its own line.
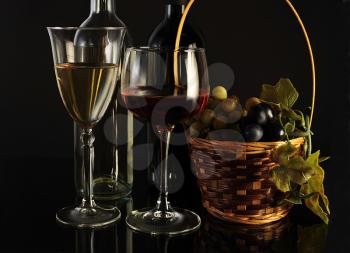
(87,67)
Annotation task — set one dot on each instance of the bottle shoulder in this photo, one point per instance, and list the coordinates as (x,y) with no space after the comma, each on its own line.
(164,35)
(103,19)
(107,19)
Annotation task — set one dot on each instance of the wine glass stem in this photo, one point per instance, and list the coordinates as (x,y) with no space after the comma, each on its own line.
(163,205)
(115,168)
(87,139)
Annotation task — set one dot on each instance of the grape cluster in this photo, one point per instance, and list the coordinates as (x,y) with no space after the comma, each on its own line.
(260,124)
(225,119)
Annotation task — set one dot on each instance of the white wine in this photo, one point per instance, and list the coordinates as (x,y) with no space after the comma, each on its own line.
(86,90)
(113,171)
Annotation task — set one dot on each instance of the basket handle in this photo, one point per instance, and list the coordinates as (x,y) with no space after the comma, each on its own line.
(302,26)
(312,59)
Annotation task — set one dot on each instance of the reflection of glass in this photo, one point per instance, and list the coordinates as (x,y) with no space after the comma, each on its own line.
(84,241)
(219,236)
(125,205)
(162,244)
(86,80)
(150,91)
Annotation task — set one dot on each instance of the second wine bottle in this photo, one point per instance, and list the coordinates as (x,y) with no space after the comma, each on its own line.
(113,172)
(164,36)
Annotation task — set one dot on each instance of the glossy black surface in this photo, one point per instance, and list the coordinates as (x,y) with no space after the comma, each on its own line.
(29,206)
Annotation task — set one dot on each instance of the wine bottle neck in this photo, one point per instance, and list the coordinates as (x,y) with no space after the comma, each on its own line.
(174,10)
(99,6)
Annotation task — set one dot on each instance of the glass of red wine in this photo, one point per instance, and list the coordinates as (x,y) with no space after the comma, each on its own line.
(165,87)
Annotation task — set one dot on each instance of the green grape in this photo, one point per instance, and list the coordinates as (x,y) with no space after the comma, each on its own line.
(189,121)
(234,98)
(219,93)
(195,129)
(220,122)
(235,116)
(229,105)
(244,113)
(212,103)
(207,116)
(253,101)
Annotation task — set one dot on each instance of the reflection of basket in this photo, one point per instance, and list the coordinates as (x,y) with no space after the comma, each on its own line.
(216,236)
(235,182)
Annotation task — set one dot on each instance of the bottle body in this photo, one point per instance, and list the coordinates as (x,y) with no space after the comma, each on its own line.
(164,36)
(113,171)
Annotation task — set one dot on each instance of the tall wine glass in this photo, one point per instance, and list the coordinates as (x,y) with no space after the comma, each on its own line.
(87,67)
(165,92)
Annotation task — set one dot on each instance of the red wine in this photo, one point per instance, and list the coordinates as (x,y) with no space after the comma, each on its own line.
(161,109)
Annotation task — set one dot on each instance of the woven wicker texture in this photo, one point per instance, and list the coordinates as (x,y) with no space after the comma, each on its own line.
(234,179)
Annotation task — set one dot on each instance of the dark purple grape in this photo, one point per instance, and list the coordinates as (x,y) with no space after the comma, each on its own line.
(274,132)
(269,113)
(253,133)
(257,115)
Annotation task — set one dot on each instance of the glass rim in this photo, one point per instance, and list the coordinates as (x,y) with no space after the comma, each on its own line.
(157,49)
(70,28)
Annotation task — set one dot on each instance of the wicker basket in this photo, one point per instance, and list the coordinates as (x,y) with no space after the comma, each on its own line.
(234,176)
(234,179)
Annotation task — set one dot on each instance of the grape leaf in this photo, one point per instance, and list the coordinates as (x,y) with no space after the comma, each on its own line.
(269,94)
(282,93)
(283,152)
(298,170)
(295,170)
(281,180)
(294,198)
(315,185)
(300,179)
(292,168)
(313,159)
(290,114)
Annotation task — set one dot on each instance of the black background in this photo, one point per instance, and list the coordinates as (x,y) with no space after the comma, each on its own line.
(259,40)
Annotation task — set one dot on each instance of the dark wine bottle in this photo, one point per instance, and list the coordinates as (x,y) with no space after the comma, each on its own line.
(102,14)
(113,170)
(164,36)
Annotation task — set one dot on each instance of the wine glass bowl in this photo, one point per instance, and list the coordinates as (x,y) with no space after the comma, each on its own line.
(86,90)
(165,87)
(87,67)
(149,88)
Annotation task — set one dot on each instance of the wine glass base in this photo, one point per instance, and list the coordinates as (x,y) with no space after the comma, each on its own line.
(87,218)
(110,189)
(180,221)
